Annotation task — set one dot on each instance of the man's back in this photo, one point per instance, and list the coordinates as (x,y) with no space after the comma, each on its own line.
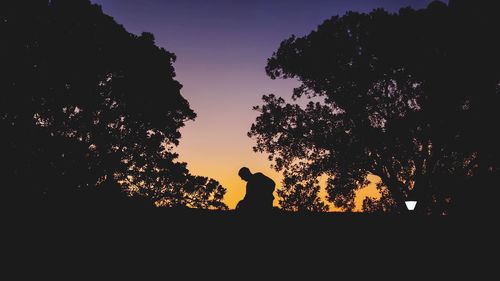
(259,193)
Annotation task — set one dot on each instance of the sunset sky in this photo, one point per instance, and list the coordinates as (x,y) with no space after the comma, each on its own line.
(222,47)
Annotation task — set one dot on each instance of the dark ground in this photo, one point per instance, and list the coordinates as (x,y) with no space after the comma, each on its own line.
(165,239)
(277,227)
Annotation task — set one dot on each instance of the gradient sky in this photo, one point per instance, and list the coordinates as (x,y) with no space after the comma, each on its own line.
(222,48)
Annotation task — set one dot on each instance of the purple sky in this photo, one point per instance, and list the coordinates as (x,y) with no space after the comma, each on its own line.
(222,47)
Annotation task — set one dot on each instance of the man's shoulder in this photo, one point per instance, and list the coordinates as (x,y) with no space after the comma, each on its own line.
(259,176)
(262,177)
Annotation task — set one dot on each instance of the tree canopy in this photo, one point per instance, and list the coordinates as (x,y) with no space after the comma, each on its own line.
(86,105)
(410,97)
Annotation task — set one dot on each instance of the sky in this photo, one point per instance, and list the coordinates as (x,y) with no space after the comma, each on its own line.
(222,47)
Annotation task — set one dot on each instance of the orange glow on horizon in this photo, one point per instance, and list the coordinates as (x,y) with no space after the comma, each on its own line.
(221,158)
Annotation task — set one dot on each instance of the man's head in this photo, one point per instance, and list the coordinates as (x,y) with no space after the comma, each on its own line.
(245,174)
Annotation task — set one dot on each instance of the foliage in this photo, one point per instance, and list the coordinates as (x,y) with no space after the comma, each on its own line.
(84,102)
(410,97)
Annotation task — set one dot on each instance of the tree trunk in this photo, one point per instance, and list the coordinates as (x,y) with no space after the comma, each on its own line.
(395,188)
(420,193)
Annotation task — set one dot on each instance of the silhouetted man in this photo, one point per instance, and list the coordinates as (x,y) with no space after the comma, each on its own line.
(259,193)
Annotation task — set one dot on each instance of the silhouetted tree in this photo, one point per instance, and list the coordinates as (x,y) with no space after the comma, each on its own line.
(85,103)
(410,97)
(383,204)
(301,198)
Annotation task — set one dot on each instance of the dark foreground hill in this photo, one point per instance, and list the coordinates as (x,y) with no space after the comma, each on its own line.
(275,227)
(168,240)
